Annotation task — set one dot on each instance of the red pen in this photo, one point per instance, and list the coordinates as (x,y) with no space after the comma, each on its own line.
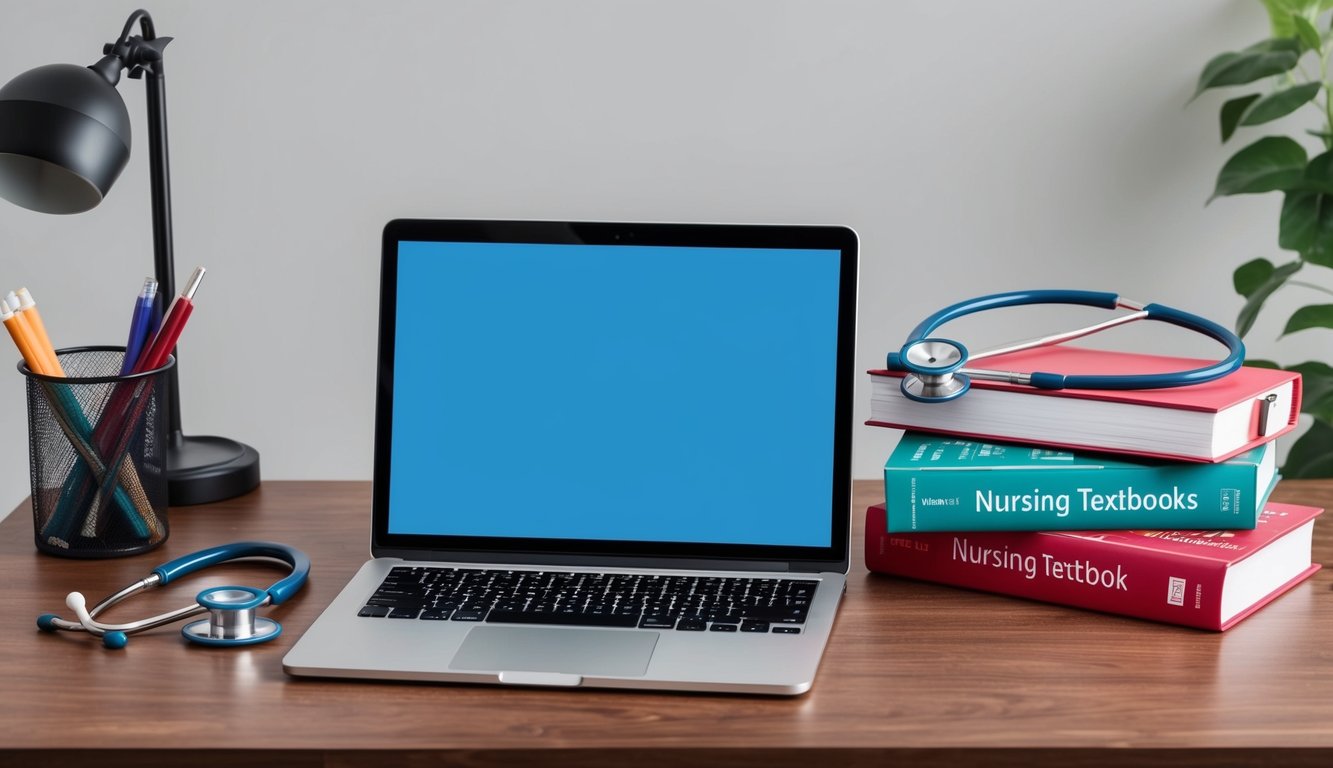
(172,325)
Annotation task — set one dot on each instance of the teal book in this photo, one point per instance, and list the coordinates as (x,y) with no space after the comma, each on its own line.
(940,483)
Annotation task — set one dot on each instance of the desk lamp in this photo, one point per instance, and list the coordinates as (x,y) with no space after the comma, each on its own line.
(64,139)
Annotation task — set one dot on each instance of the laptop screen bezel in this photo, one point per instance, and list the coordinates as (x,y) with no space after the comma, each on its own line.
(520,550)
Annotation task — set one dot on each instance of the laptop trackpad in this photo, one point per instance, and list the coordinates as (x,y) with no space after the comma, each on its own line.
(588,652)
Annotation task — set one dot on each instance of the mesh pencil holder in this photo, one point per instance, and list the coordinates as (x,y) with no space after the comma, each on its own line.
(97,447)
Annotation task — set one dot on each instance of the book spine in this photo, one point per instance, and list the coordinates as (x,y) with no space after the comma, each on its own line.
(1114,497)
(1078,572)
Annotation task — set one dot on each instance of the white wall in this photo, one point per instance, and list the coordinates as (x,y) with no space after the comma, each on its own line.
(974,145)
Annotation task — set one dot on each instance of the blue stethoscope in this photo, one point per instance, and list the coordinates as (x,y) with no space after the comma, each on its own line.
(232,620)
(935,371)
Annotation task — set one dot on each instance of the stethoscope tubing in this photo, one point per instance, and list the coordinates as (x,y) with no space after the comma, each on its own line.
(924,332)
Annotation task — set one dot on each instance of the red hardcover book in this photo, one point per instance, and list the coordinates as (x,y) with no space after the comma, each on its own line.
(1207,422)
(1204,579)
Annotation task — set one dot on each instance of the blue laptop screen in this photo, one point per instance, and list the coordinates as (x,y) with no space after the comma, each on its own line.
(621,392)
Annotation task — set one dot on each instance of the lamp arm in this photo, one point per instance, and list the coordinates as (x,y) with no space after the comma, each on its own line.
(163,254)
(142,55)
(145,25)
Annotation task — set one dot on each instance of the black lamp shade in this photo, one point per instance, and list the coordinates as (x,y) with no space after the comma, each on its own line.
(64,138)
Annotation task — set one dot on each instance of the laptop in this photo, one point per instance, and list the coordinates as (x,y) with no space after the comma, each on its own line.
(606,455)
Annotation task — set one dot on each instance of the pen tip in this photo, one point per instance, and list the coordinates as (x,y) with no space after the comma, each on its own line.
(193,284)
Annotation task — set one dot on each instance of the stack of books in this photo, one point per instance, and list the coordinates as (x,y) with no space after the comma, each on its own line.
(1147,503)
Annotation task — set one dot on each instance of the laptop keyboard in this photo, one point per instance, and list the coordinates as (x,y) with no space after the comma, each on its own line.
(683,603)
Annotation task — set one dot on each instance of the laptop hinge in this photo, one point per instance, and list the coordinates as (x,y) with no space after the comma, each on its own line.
(585,561)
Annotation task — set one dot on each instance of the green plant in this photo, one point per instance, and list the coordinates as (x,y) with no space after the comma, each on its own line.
(1286,60)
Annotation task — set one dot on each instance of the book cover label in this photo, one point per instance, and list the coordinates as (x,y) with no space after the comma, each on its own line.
(938,483)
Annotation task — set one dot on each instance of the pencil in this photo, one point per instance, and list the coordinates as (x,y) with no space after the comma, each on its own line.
(22,336)
(28,309)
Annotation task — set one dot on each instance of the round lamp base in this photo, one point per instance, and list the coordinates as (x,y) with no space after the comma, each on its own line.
(203,469)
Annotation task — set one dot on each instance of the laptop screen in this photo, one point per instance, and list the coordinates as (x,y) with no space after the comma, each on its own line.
(622,389)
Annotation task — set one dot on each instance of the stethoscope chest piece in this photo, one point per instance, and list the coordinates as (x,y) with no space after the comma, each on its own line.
(232,619)
(934,365)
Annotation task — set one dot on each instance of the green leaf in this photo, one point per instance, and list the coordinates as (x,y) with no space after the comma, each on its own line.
(1312,316)
(1249,276)
(1319,174)
(1280,13)
(1312,454)
(1306,32)
(1280,104)
(1306,226)
(1281,44)
(1316,388)
(1259,294)
(1325,135)
(1298,223)
(1231,114)
(1319,407)
(1254,63)
(1271,163)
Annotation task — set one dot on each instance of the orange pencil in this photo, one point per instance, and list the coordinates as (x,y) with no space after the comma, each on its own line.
(28,308)
(22,336)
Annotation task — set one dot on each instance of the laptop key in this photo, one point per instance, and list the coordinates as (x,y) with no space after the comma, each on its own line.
(787,615)
(404,613)
(564,619)
(657,622)
(436,614)
(463,614)
(722,627)
(374,611)
(754,626)
(786,629)
(692,625)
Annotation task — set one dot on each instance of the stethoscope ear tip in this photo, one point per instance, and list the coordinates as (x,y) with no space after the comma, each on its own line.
(115,640)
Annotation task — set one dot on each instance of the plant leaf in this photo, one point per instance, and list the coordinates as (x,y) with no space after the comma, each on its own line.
(1306,226)
(1312,316)
(1271,163)
(1306,32)
(1299,222)
(1257,297)
(1232,112)
(1279,17)
(1239,68)
(1316,389)
(1249,276)
(1280,13)
(1279,44)
(1319,174)
(1319,407)
(1312,454)
(1280,104)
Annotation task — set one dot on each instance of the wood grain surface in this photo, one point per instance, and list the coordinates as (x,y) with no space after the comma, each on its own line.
(913,672)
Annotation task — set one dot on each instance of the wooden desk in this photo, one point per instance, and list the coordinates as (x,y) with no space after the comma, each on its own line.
(913,672)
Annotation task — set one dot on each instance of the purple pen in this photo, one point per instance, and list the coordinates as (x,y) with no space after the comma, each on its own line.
(140,325)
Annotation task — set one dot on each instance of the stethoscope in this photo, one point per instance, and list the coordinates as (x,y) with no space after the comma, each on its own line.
(935,371)
(232,620)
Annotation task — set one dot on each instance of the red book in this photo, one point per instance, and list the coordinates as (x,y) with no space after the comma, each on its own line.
(1207,422)
(1204,579)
